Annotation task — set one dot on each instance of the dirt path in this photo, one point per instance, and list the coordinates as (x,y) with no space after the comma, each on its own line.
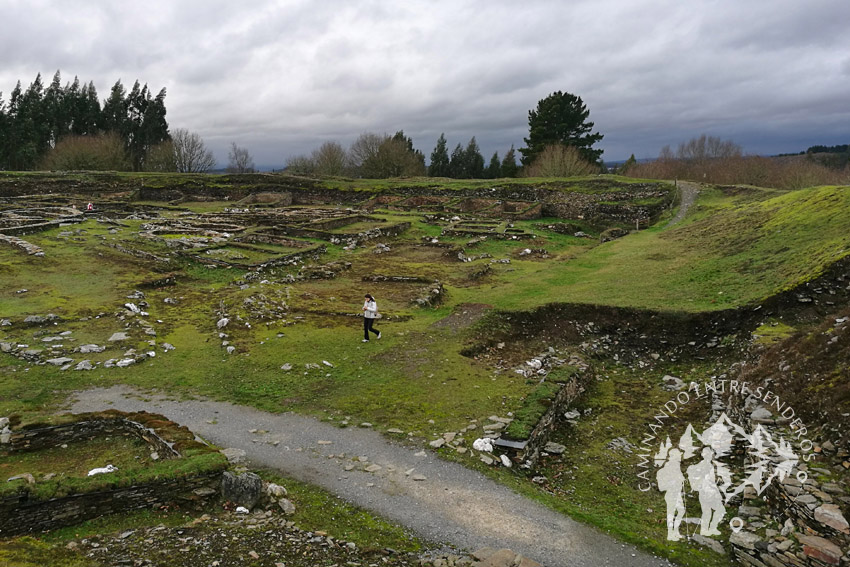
(689,197)
(452,504)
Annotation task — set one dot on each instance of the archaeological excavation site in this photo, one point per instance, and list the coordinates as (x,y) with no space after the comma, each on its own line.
(546,353)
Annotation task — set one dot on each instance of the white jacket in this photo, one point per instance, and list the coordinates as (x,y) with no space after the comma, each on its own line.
(371,309)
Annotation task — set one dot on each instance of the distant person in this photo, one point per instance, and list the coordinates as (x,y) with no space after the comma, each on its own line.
(89,207)
(370,313)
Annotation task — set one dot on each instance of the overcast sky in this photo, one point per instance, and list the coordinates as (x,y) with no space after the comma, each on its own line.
(280,77)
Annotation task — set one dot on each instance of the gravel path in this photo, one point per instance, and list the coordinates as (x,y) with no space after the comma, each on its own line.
(452,504)
(689,197)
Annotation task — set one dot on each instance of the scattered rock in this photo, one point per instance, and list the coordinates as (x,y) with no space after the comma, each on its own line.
(747,540)
(572,415)
(103,470)
(554,448)
(286,506)
(673,383)
(23,476)
(234,455)
(275,490)
(830,515)
(820,549)
(119,336)
(761,415)
(620,444)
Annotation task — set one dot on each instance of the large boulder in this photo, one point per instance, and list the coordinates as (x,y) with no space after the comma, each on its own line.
(613,234)
(243,490)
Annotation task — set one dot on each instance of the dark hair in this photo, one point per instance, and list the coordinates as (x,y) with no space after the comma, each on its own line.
(369,296)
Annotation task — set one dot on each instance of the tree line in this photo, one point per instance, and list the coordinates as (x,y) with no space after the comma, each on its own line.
(380,156)
(38,119)
(66,127)
(712,160)
(560,144)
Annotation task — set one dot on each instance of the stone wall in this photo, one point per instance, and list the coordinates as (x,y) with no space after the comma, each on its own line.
(20,514)
(33,439)
(23,510)
(286,259)
(539,437)
(27,247)
(40,226)
(339,222)
(796,521)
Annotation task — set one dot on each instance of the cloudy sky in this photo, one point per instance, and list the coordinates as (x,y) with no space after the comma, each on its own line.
(280,77)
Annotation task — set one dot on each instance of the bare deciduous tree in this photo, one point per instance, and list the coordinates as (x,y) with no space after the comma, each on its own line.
(364,148)
(190,153)
(240,160)
(330,159)
(707,147)
(300,164)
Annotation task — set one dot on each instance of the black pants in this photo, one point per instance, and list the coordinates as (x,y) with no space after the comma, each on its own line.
(367,326)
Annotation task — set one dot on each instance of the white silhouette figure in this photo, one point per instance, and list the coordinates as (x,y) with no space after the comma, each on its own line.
(671,481)
(703,479)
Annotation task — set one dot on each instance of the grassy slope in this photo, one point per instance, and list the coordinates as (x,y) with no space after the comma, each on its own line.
(732,251)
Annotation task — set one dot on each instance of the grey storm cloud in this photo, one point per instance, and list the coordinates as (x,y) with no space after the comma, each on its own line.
(281,77)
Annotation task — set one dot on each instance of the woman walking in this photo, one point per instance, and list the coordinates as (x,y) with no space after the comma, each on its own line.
(370,313)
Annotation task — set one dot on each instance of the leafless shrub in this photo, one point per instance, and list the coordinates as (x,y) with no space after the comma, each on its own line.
(559,160)
(90,152)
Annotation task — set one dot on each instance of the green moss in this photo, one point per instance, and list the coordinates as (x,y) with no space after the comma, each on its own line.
(772,332)
(531,410)
(29,552)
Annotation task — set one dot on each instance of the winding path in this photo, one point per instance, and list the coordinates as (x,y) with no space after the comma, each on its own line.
(689,197)
(452,504)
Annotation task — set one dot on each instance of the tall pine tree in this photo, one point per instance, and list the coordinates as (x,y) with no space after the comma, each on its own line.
(509,166)
(474,160)
(560,118)
(457,163)
(494,169)
(439,159)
